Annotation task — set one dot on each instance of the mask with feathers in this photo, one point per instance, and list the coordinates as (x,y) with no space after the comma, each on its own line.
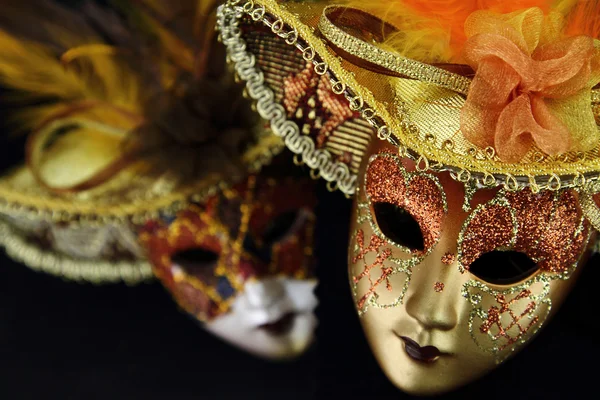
(241,263)
(130,115)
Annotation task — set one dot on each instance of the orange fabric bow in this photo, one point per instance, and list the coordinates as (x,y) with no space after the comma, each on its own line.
(531,87)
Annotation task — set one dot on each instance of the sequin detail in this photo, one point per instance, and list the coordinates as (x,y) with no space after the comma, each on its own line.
(488,228)
(439,287)
(421,195)
(549,227)
(448,258)
(552,230)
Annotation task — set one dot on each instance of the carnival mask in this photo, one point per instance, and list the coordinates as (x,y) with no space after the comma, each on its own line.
(476,206)
(242,264)
(445,294)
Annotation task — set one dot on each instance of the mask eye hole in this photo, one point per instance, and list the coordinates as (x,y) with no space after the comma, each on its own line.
(399,226)
(197,261)
(282,226)
(503,267)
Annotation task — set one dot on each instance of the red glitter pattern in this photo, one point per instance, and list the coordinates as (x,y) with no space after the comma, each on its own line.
(490,229)
(556,246)
(494,319)
(375,245)
(418,194)
(549,229)
(439,287)
(448,258)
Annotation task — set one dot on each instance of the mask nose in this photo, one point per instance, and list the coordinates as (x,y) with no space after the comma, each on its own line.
(264,293)
(434,298)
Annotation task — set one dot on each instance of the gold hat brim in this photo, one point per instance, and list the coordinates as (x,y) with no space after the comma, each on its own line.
(136,193)
(418,116)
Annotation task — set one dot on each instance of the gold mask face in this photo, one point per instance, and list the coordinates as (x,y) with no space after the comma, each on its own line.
(448,286)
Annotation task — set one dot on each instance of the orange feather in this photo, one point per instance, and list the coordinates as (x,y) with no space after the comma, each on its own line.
(452,14)
(433,30)
(584,19)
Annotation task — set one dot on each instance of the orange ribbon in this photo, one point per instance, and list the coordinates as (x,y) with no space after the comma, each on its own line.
(518,100)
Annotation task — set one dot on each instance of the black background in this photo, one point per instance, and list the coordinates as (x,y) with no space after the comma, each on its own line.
(62,340)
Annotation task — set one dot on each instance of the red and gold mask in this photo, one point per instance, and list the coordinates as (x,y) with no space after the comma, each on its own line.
(242,263)
(449,285)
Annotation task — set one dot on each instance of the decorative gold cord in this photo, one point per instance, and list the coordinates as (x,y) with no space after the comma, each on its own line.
(552,174)
(590,209)
(387,59)
(96,272)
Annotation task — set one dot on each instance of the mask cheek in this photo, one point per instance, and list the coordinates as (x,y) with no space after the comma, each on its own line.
(196,301)
(377,278)
(502,320)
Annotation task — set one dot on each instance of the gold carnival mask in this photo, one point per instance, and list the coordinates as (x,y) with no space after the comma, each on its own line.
(445,294)
(467,134)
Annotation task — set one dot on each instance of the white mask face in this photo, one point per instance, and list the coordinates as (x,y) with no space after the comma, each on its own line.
(272,318)
(242,264)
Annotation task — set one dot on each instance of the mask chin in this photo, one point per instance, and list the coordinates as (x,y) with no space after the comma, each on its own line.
(272,318)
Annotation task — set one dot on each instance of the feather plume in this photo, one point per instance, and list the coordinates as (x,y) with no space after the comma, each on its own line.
(146,68)
(433,30)
(584,19)
(33,43)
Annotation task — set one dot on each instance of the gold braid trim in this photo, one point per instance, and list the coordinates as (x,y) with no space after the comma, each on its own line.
(389,60)
(590,209)
(473,166)
(96,272)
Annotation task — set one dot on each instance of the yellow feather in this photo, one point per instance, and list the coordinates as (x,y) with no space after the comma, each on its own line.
(35,70)
(37,73)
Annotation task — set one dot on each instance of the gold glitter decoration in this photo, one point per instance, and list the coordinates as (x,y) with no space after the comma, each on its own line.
(421,195)
(448,258)
(470,190)
(438,287)
(549,227)
(487,325)
(384,262)
(382,256)
(412,189)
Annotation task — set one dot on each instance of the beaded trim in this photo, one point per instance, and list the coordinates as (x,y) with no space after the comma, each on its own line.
(96,272)
(489,172)
(36,205)
(392,61)
(245,66)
